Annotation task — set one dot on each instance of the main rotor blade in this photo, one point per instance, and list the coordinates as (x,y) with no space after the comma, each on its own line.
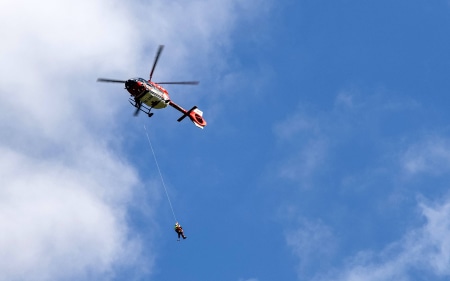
(180,83)
(158,53)
(110,80)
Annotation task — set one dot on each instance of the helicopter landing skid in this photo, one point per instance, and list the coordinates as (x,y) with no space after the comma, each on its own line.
(143,108)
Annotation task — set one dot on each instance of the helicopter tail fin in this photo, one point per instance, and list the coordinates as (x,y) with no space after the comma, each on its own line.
(196,116)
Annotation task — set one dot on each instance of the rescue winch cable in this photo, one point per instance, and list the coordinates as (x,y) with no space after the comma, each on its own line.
(160,174)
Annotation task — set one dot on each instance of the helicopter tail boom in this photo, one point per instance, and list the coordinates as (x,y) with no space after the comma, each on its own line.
(195,114)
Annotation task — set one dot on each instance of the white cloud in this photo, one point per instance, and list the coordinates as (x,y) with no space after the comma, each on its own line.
(64,191)
(302,136)
(430,155)
(421,251)
(312,242)
(304,163)
(425,249)
(296,124)
(313,137)
(61,222)
(196,34)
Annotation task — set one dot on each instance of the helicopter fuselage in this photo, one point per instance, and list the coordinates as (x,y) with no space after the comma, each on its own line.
(147,92)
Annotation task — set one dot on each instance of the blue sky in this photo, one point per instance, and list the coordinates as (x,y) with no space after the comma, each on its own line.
(326,155)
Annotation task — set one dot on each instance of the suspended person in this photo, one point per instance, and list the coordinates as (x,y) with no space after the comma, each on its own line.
(179,230)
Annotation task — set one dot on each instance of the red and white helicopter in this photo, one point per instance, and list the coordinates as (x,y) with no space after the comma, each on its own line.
(148,95)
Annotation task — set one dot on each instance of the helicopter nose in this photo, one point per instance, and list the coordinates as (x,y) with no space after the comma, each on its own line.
(130,83)
(134,87)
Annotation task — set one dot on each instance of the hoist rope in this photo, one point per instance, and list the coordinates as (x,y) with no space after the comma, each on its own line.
(160,174)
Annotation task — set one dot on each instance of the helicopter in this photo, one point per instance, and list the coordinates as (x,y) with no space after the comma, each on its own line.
(147,95)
